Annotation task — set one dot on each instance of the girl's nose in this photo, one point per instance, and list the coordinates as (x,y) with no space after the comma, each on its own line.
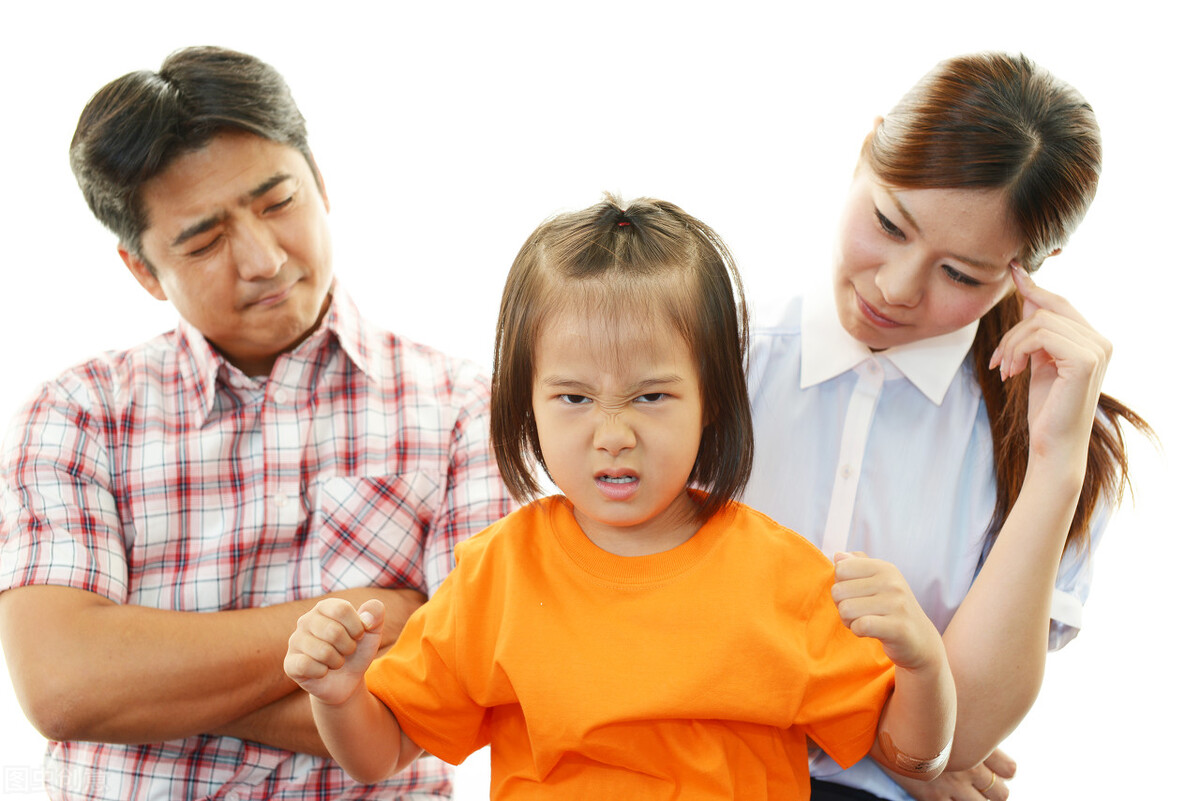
(613,434)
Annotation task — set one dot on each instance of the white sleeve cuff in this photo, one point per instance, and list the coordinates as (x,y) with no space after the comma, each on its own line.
(1066,618)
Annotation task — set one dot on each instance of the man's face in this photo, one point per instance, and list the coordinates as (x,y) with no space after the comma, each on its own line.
(239,241)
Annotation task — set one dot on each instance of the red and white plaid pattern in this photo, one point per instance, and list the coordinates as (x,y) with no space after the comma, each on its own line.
(161,476)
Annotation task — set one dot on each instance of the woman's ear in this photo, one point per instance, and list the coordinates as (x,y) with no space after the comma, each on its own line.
(871,133)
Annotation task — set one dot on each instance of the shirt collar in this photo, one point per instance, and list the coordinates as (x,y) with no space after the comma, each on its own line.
(827,350)
(358,338)
(202,367)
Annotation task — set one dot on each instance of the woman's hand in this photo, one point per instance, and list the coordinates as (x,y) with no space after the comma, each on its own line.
(1066,358)
(987,780)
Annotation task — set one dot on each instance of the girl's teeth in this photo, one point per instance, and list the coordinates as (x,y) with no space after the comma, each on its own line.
(618,479)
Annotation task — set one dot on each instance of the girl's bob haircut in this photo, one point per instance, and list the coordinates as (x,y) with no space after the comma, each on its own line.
(652,260)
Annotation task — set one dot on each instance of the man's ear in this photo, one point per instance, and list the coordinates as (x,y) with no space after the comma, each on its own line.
(312,162)
(142,272)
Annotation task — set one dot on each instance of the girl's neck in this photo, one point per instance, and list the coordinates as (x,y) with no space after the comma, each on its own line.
(669,529)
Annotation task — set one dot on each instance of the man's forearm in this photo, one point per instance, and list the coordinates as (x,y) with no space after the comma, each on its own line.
(88,669)
(286,723)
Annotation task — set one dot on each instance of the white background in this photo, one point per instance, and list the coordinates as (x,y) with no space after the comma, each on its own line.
(446,132)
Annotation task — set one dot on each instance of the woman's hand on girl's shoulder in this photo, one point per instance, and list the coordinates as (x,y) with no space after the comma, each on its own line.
(1066,358)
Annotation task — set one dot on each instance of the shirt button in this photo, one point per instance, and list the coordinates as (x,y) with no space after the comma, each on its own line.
(282,396)
(873,366)
(847,471)
(281,500)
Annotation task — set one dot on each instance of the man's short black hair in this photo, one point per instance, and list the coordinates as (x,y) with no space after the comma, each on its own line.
(134,127)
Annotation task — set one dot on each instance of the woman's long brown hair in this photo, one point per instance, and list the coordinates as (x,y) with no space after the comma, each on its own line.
(997,121)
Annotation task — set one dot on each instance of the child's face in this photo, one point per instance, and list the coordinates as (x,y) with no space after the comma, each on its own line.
(619,415)
(917,263)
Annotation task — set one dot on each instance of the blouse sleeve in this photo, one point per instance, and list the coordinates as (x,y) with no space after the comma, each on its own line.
(1074,582)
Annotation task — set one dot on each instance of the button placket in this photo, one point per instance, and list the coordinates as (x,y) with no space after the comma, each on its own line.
(857,426)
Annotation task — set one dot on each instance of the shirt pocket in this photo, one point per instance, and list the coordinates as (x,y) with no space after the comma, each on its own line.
(371,530)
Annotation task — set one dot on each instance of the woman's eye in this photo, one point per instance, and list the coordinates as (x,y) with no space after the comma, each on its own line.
(652,397)
(959,277)
(888,227)
(574,400)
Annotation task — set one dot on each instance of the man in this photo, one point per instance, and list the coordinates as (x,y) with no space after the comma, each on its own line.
(169,511)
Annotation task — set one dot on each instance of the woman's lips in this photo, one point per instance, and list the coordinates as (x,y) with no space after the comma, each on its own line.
(872,314)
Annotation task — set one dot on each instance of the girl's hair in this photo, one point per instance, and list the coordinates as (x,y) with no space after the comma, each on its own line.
(649,259)
(994,121)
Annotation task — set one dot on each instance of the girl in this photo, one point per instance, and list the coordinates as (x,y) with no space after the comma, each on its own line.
(939,409)
(643,636)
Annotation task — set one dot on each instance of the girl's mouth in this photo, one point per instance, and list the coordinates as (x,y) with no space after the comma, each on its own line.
(617,487)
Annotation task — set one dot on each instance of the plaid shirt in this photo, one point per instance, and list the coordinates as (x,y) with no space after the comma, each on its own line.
(163,477)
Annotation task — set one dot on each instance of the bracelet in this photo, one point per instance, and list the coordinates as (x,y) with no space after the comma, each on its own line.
(913,767)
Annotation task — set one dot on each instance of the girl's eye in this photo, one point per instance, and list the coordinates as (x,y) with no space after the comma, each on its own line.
(574,400)
(888,227)
(959,277)
(651,397)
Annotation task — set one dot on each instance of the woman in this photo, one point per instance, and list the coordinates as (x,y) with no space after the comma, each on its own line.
(939,410)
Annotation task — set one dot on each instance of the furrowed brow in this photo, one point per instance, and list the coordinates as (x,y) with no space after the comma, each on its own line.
(565,383)
(207,224)
(267,185)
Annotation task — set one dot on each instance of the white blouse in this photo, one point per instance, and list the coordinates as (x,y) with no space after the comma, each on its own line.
(888,453)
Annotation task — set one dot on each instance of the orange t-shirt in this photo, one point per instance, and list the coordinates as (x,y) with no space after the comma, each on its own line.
(695,673)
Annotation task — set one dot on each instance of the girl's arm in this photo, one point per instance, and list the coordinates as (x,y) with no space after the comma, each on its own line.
(996,641)
(917,723)
(328,654)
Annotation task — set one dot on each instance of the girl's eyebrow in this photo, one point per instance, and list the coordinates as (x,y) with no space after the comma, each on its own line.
(565,382)
(907,215)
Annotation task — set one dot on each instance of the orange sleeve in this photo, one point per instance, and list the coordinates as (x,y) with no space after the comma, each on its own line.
(418,680)
(850,680)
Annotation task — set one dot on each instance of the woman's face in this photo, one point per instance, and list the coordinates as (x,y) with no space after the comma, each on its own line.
(917,263)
